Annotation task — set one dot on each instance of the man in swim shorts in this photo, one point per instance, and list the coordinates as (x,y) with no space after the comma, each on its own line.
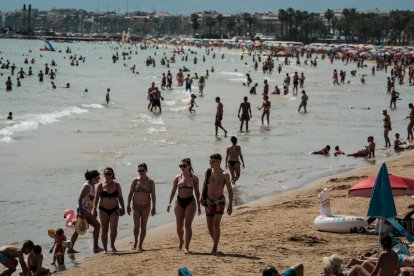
(219,116)
(246,114)
(215,202)
(9,255)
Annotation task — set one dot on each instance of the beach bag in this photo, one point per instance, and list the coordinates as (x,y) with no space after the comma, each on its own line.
(205,188)
(183,271)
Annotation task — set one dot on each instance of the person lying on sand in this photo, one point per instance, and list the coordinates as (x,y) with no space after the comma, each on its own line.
(367,150)
(295,270)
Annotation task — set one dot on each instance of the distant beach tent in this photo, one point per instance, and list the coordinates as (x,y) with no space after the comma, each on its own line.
(400,186)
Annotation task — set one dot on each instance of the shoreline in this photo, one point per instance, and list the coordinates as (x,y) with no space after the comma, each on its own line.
(262,239)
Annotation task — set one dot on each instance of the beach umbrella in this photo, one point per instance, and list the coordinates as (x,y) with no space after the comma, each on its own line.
(400,186)
(382,203)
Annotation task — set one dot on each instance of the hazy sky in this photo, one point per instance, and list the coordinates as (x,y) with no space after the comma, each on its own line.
(223,6)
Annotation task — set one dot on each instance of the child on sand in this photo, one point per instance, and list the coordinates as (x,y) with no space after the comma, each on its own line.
(9,255)
(59,254)
(35,260)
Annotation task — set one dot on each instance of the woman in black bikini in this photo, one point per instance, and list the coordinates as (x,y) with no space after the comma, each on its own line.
(185,205)
(109,196)
(142,195)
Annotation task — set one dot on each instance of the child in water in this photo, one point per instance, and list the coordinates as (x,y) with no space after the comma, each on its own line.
(59,254)
(338,152)
(35,260)
(192,103)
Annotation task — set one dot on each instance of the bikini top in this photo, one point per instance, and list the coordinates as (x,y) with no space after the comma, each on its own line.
(183,184)
(105,194)
(143,188)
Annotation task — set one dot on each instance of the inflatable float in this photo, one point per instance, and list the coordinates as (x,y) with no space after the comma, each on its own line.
(70,217)
(338,224)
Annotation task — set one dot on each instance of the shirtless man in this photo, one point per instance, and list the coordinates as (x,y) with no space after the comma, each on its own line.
(266,109)
(246,114)
(107,96)
(156,99)
(9,254)
(304,102)
(387,128)
(152,88)
(394,97)
(387,263)
(213,198)
(219,116)
(233,154)
(9,84)
(265,88)
(411,123)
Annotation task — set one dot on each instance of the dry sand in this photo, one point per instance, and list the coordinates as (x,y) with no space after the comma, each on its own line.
(277,231)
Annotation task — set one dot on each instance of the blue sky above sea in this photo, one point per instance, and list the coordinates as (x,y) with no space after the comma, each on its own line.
(186,7)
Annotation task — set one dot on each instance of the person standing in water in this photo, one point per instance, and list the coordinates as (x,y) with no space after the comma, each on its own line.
(201,85)
(304,101)
(387,128)
(185,206)
(411,123)
(10,117)
(107,95)
(9,84)
(246,114)
(213,198)
(233,157)
(219,117)
(266,109)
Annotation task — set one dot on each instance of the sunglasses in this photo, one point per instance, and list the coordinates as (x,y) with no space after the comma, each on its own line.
(108,174)
(182,166)
(141,170)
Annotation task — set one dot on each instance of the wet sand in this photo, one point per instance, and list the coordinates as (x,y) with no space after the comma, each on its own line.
(277,230)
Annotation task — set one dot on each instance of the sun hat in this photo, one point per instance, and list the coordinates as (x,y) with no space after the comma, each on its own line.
(333,263)
(81,226)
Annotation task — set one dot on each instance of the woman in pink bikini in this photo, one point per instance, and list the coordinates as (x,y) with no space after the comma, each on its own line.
(142,195)
(185,205)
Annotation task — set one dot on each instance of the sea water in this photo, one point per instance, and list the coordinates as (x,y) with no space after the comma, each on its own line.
(57,134)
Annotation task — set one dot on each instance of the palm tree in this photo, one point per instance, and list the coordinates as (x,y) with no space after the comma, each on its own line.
(329,14)
(219,19)
(283,18)
(291,18)
(194,22)
(210,22)
(230,24)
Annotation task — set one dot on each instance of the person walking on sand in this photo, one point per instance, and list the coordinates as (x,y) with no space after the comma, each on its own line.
(85,204)
(246,114)
(387,128)
(411,123)
(142,196)
(219,117)
(233,157)
(185,206)
(107,95)
(266,109)
(109,196)
(304,101)
(213,198)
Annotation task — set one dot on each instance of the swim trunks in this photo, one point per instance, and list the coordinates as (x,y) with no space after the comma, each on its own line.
(289,272)
(245,117)
(218,120)
(3,257)
(156,102)
(401,259)
(215,206)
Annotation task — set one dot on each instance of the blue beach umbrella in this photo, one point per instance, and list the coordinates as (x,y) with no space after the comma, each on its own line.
(382,203)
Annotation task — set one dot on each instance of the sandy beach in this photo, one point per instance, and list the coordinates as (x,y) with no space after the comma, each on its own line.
(277,230)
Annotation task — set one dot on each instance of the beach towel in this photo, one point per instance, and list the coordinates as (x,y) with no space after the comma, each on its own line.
(183,271)
(401,229)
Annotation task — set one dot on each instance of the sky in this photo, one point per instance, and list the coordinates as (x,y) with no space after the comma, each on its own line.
(186,7)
